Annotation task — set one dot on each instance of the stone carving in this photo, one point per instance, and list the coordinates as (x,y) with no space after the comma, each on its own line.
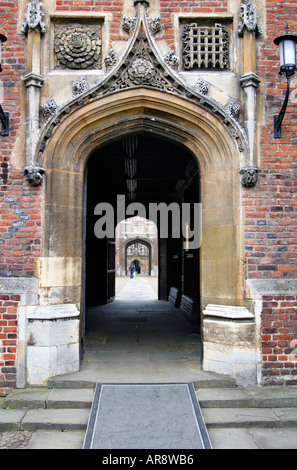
(34,174)
(141,72)
(205,47)
(129,23)
(202,87)
(33,17)
(172,60)
(78,46)
(233,109)
(249,176)
(49,108)
(248,19)
(80,86)
(111,59)
(154,25)
(142,66)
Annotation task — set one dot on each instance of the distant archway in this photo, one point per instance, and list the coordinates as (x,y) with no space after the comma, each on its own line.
(144,261)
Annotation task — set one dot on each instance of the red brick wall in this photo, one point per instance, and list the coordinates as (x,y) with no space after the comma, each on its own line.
(113,6)
(8,341)
(271,207)
(279,342)
(19,204)
(169,7)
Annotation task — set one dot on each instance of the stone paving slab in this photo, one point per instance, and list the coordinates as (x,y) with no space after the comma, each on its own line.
(56,440)
(254,438)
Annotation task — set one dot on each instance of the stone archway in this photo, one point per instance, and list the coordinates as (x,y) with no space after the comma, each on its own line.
(151,112)
(170,118)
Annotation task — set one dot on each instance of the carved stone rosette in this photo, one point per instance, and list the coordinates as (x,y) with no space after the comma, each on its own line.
(78,46)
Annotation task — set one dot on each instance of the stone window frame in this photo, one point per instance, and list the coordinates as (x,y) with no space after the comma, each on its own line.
(226,20)
(77,18)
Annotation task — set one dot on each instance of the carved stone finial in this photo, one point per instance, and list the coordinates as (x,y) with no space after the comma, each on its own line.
(248,19)
(233,108)
(172,60)
(249,176)
(34,174)
(80,86)
(111,59)
(49,108)
(129,24)
(202,87)
(33,17)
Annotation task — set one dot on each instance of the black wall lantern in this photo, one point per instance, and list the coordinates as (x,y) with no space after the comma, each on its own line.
(4,117)
(287,50)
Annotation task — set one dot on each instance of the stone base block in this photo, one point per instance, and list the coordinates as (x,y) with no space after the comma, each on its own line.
(53,342)
(230,343)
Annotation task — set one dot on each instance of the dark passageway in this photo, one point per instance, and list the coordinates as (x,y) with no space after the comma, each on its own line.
(147,170)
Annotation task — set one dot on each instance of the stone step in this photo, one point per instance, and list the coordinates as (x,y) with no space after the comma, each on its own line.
(253,397)
(250,418)
(69,419)
(204,380)
(68,409)
(49,398)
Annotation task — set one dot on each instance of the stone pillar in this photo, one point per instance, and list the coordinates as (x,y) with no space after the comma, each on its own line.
(33,27)
(249,30)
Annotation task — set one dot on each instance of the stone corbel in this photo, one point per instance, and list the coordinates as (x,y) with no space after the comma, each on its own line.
(249,177)
(34,175)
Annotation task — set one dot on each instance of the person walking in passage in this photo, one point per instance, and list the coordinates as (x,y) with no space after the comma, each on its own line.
(132,269)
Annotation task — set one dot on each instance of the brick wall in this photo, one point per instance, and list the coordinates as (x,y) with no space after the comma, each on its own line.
(279,342)
(169,7)
(19,204)
(271,207)
(8,341)
(108,6)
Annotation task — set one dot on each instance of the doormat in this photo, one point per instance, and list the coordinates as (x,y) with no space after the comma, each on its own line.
(146,416)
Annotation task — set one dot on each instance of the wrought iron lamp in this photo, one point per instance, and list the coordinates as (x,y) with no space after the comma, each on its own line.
(287,48)
(4,117)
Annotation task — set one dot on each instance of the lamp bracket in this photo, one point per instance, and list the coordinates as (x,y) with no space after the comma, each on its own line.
(279,119)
